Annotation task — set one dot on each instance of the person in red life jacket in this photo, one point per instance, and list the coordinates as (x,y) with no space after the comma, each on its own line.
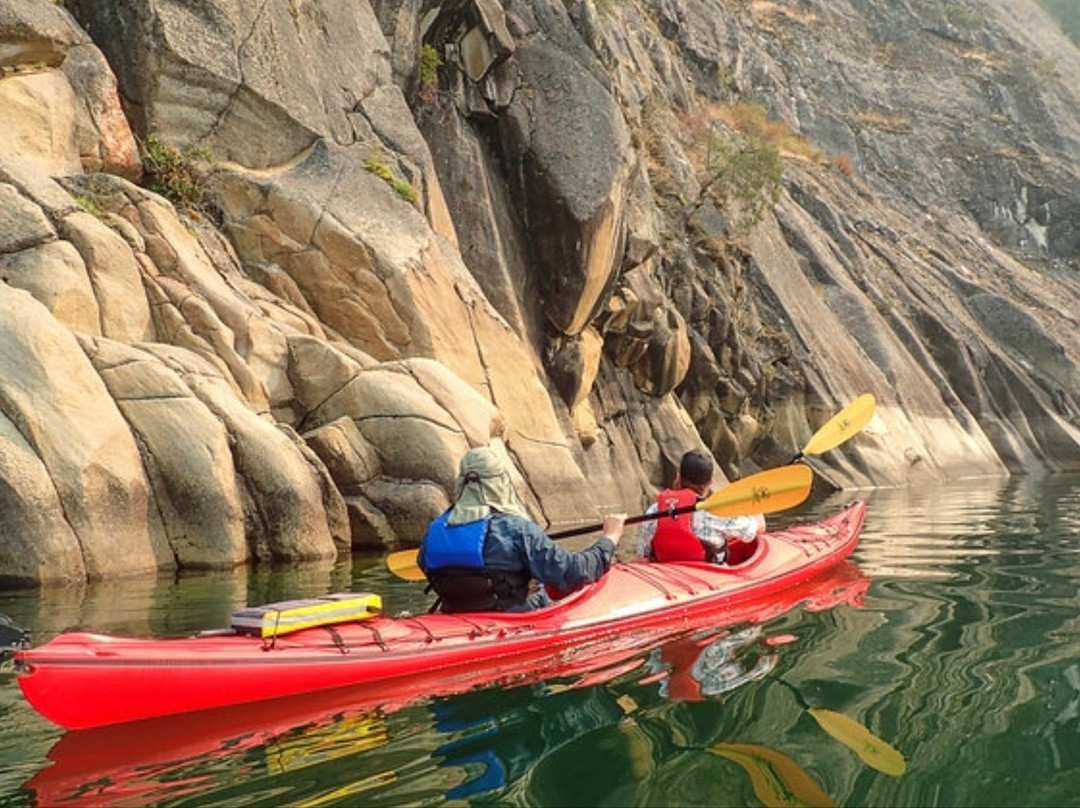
(486,554)
(696,535)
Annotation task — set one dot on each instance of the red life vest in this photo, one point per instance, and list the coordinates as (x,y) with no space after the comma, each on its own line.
(675,539)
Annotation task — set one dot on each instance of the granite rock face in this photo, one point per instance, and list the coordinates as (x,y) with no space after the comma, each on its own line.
(410,229)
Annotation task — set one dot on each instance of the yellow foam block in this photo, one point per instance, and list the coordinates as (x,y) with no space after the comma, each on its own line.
(275,619)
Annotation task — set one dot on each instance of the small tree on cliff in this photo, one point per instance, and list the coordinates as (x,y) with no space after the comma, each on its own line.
(745,174)
(171,173)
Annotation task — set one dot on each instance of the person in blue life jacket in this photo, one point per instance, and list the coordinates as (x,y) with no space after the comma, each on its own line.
(696,535)
(486,554)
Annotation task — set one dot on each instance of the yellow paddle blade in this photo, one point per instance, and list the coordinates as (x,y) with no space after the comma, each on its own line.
(764,492)
(874,752)
(842,426)
(778,781)
(403,565)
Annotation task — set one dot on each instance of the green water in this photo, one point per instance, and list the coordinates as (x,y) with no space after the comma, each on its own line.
(961,660)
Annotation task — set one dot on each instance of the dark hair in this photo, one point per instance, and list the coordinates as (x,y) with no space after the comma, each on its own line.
(696,467)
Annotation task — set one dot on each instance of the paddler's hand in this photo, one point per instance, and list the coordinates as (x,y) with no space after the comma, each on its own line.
(613,526)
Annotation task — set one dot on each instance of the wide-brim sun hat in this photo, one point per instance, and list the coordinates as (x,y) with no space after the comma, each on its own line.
(484,485)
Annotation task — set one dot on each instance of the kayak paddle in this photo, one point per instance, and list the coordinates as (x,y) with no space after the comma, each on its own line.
(764,492)
(776,778)
(873,751)
(769,491)
(845,424)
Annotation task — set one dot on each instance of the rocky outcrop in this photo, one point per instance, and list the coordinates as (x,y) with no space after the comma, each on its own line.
(394,232)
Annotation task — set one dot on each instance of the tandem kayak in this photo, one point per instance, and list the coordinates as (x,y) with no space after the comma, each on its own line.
(157,759)
(81,680)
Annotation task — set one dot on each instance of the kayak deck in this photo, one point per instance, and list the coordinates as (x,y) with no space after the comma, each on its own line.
(83,679)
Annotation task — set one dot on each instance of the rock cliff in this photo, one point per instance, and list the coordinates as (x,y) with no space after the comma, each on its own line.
(269,270)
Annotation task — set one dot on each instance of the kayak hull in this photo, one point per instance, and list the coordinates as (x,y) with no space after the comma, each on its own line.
(81,680)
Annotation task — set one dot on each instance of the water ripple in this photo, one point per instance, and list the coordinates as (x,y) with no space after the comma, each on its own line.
(960,653)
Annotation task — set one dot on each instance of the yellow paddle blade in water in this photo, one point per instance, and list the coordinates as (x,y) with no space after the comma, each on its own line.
(403,565)
(874,752)
(778,781)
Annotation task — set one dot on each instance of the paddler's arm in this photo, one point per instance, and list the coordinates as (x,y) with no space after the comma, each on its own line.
(555,567)
(720,533)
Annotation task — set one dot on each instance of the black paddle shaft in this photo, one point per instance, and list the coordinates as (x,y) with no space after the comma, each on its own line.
(633,520)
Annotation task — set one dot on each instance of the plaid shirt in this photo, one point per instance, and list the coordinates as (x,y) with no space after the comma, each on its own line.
(714,531)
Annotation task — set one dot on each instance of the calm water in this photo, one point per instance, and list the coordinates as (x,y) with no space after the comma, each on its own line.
(954,649)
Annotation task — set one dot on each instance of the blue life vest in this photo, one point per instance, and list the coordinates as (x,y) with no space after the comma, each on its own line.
(454,545)
(452,558)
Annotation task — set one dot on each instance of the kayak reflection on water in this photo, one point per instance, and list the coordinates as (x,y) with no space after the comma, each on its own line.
(707,664)
(508,749)
(505,749)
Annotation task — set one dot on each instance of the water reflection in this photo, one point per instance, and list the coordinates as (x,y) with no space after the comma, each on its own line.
(708,663)
(961,652)
(486,740)
(976,638)
(208,753)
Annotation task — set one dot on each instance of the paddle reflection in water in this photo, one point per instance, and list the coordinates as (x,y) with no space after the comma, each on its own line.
(381,746)
(633,743)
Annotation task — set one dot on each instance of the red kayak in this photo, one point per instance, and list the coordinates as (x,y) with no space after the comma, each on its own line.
(81,680)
